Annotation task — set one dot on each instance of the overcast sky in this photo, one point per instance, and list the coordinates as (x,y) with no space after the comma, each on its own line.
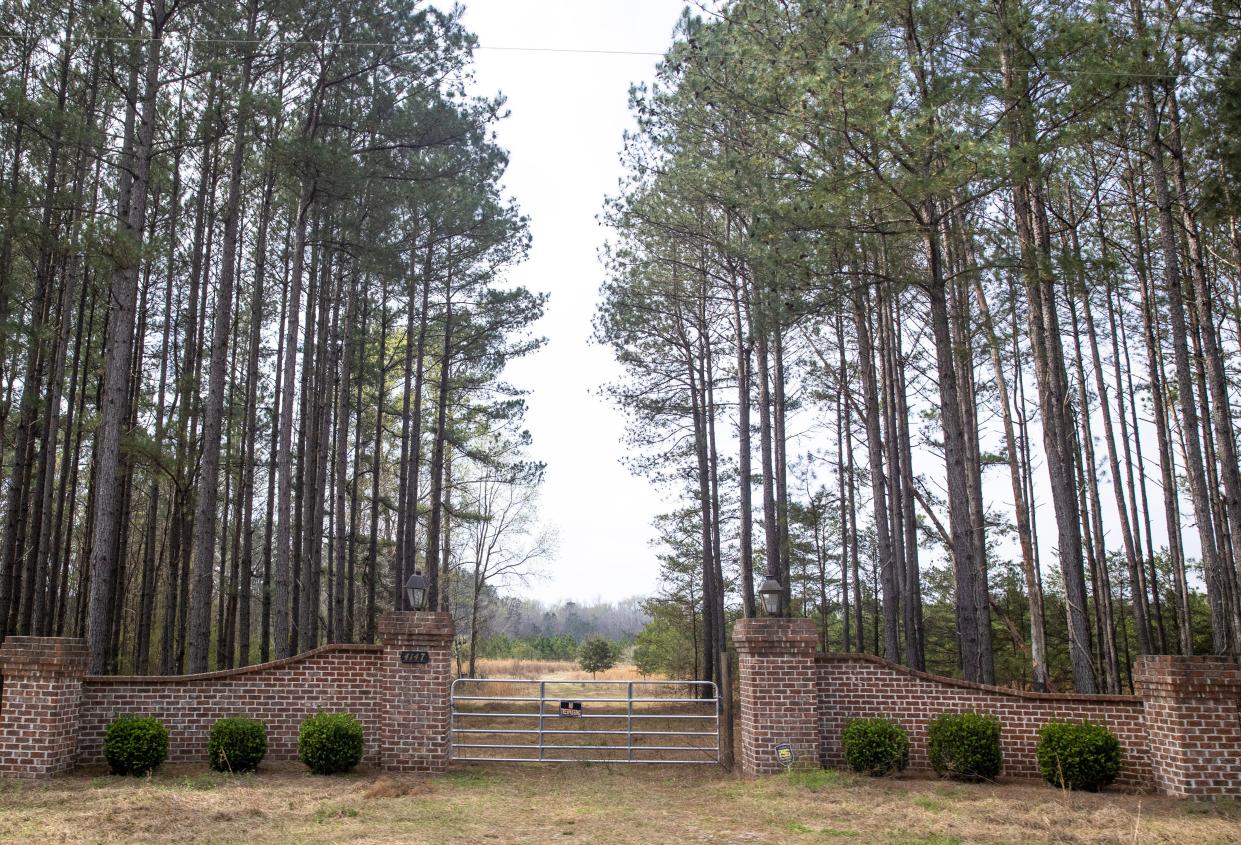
(569,112)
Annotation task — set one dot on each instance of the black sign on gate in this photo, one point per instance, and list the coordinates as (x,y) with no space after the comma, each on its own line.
(415,657)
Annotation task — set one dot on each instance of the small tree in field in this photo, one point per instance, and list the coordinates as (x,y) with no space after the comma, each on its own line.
(596,655)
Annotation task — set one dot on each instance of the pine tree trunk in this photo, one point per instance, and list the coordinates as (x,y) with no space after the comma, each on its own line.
(878,479)
(284,456)
(213,412)
(381,391)
(1221,611)
(438,448)
(973,626)
(1218,410)
(131,211)
(744,456)
(1021,512)
(344,538)
(770,530)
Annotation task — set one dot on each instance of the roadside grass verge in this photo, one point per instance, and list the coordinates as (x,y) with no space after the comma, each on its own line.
(597,804)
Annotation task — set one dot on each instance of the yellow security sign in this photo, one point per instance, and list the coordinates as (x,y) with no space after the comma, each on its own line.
(784,754)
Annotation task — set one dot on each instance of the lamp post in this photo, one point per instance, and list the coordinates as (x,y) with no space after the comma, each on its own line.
(416,591)
(771,593)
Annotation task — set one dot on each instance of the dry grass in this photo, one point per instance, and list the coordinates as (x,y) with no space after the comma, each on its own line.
(596,804)
(559,670)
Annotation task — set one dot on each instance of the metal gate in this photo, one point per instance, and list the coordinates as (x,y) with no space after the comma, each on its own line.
(522,721)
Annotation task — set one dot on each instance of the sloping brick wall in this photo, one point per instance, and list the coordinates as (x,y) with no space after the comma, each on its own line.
(281,694)
(856,685)
(53,716)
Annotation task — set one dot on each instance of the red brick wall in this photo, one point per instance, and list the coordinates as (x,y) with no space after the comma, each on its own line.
(414,732)
(280,694)
(42,687)
(854,685)
(53,717)
(777,690)
(1195,726)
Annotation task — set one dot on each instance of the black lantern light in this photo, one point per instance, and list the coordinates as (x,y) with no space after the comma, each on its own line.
(416,591)
(771,593)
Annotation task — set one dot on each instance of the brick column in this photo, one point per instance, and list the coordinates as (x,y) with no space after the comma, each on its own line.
(413,733)
(1190,705)
(42,679)
(779,691)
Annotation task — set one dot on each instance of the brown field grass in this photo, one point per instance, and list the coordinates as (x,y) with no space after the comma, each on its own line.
(561,670)
(585,803)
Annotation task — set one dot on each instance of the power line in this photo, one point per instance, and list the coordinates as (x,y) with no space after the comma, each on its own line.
(396,45)
(586,51)
(598,51)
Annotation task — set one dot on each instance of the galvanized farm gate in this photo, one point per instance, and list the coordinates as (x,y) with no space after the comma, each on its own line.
(524,721)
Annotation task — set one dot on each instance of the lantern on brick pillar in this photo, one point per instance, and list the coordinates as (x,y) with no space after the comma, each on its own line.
(416,591)
(771,593)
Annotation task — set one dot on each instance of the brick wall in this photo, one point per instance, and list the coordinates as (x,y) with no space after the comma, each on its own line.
(855,685)
(778,691)
(1194,723)
(281,694)
(42,688)
(53,717)
(414,732)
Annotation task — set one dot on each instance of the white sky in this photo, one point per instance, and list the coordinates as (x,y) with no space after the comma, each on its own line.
(569,111)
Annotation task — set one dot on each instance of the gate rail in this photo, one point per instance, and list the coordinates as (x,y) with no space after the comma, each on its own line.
(479,730)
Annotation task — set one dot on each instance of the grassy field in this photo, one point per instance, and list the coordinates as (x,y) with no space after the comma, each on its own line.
(583,803)
(559,670)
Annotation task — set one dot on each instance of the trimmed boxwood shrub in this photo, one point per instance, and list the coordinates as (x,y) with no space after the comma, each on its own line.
(330,742)
(875,746)
(236,744)
(135,745)
(1078,755)
(964,746)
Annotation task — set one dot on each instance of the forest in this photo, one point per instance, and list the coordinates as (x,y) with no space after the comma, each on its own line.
(255,324)
(930,311)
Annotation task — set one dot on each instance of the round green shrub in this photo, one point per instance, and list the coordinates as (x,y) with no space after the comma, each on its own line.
(1078,755)
(330,742)
(875,746)
(965,746)
(236,744)
(135,745)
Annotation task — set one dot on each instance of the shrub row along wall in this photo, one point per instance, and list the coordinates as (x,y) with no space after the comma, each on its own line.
(53,716)
(333,678)
(855,685)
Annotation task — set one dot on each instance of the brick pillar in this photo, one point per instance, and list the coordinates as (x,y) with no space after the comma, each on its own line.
(779,691)
(413,734)
(42,691)
(1191,709)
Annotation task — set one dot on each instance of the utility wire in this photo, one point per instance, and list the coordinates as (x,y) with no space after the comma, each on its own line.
(594,51)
